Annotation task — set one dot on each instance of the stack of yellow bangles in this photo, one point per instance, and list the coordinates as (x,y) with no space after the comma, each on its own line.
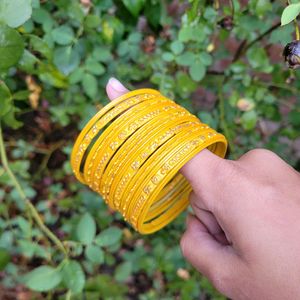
(130,153)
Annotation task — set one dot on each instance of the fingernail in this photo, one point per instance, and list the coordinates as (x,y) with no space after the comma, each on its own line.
(117,85)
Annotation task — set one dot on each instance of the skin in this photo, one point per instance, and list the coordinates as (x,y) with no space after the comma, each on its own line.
(244,235)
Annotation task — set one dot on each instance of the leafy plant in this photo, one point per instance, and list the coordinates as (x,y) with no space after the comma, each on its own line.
(58,239)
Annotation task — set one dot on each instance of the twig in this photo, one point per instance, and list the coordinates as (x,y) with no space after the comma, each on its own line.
(277,86)
(46,158)
(35,215)
(244,46)
(239,50)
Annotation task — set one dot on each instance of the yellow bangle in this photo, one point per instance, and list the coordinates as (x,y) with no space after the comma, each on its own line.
(140,141)
(111,139)
(130,152)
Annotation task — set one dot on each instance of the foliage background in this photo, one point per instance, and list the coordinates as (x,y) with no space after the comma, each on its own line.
(56,57)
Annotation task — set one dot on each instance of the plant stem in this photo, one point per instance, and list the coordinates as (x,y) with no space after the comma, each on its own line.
(223,119)
(297,30)
(32,210)
(232,8)
(46,158)
(295,23)
(244,46)
(216,4)
(68,295)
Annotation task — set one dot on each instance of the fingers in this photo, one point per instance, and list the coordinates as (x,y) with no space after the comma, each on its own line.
(115,88)
(212,259)
(208,219)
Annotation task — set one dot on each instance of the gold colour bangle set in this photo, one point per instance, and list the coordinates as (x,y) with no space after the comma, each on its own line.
(130,152)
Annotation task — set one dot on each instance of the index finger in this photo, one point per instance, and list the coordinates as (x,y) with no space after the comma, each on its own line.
(115,88)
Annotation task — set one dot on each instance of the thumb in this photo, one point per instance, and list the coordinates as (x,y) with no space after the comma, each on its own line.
(215,261)
(203,170)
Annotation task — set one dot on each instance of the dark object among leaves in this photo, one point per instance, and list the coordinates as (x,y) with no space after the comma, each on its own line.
(226,23)
(291,54)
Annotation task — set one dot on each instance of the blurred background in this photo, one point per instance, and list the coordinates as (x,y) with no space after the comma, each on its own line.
(222,60)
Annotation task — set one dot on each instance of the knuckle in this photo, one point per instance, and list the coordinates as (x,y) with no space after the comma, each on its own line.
(260,153)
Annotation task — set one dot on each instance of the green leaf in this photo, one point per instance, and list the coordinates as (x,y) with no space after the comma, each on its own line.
(154,12)
(135,38)
(73,276)
(281,35)
(92,21)
(95,254)
(106,287)
(11,46)
(290,13)
(40,46)
(42,16)
(112,29)
(21,95)
(86,229)
(50,75)
(168,56)
(15,12)
(4,258)
(63,35)
(10,120)
(27,61)
(66,59)
(185,34)
(191,33)
(249,119)
(205,58)
(30,249)
(258,59)
(94,67)
(184,83)
(102,54)
(123,271)
(76,76)
(197,71)
(109,236)
(5,99)
(177,47)
(294,118)
(207,118)
(90,86)
(134,6)
(42,279)
(186,59)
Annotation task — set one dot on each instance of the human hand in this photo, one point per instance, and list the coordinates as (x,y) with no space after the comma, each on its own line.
(245,233)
